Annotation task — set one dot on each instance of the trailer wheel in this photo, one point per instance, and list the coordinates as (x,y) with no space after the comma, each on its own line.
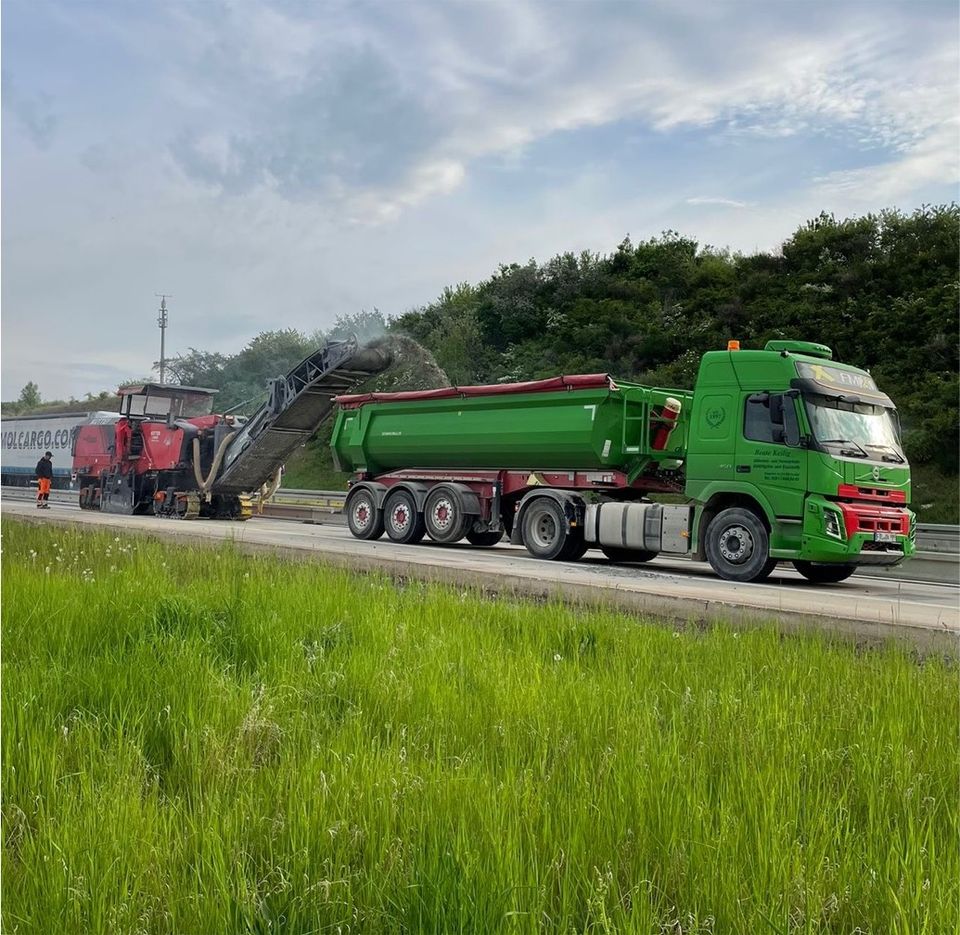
(401,519)
(484,539)
(544,530)
(627,556)
(824,574)
(738,546)
(444,516)
(363,518)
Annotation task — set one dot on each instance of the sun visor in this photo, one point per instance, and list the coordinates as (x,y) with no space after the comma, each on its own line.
(808,385)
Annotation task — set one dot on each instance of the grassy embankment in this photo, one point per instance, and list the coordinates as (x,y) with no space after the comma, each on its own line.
(198,741)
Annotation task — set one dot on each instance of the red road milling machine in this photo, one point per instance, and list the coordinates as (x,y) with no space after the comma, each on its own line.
(167,454)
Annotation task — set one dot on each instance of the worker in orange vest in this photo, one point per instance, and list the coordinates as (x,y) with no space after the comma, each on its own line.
(44,479)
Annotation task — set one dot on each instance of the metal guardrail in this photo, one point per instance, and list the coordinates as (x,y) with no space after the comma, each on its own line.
(324,499)
(932,537)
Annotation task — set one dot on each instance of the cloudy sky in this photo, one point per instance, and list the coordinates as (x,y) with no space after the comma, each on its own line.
(276,164)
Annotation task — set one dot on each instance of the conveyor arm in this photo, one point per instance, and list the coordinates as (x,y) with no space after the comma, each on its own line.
(297,405)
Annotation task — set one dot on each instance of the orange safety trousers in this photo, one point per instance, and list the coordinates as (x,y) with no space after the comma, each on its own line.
(43,487)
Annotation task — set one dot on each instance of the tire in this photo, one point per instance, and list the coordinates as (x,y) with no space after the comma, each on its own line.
(575,548)
(484,540)
(824,574)
(623,556)
(544,530)
(364,519)
(401,519)
(738,546)
(444,517)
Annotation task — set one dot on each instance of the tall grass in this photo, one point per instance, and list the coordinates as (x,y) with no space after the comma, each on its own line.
(197,741)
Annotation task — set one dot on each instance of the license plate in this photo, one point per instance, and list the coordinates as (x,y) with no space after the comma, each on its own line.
(884,537)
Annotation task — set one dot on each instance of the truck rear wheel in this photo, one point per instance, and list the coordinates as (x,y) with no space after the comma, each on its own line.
(401,519)
(575,548)
(444,517)
(824,574)
(545,532)
(363,517)
(484,539)
(738,546)
(627,556)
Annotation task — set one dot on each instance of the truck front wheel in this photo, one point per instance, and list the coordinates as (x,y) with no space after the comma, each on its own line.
(363,517)
(824,574)
(738,546)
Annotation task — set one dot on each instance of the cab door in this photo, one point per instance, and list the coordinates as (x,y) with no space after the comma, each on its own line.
(763,456)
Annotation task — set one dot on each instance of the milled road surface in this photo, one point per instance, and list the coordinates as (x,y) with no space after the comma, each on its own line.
(925,614)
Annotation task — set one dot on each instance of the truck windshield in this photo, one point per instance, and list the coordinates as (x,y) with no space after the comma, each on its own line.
(192,405)
(861,429)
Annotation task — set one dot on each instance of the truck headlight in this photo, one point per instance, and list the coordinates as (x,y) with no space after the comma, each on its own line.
(831,524)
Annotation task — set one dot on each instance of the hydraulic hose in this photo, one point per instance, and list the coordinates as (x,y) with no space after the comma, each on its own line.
(269,489)
(205,483)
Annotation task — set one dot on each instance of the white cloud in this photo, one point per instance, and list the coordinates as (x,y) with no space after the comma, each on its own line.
(481,80)
(933,159)
(722,202)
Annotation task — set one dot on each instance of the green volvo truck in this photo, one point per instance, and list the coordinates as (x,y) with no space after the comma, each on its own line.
(779,455)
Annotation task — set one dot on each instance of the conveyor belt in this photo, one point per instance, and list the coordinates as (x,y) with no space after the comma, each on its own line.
(298,404)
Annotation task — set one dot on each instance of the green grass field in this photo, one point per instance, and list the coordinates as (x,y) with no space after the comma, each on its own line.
(198,741)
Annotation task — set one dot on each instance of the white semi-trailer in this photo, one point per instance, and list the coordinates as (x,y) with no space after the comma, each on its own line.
(24,439)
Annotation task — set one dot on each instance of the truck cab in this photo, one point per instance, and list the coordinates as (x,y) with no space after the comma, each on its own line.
(793,456)
(165,401)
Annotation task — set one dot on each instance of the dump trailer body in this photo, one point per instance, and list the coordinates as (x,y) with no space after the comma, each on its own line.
(584,422)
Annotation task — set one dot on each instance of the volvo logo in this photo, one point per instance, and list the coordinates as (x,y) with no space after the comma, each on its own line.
(876,473)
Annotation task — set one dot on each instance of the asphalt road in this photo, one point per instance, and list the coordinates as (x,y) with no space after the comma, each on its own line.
(926,614)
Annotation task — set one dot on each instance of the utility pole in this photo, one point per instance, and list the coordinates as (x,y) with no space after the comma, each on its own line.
(162,322)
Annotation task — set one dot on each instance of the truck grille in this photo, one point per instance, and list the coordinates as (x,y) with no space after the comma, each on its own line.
(870,518)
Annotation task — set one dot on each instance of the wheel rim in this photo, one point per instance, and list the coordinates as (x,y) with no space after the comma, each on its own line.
(362,514)
(543,529)
(736,544)
(442,514)
(400,516)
